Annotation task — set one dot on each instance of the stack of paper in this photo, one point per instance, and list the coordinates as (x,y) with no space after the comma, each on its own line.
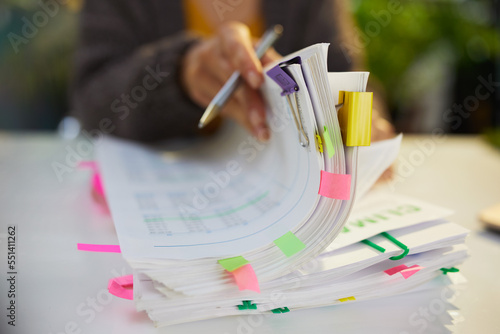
(345,272)
(230,226)
(348,269)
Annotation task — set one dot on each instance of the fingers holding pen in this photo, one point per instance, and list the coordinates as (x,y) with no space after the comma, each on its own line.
(256,113)
(236,45)
(270,56)
(246,106)
(208,64)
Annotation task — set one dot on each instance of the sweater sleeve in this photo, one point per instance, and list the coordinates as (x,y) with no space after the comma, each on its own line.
(126,76)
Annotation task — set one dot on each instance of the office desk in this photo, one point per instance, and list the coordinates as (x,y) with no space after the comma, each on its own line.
(62,290)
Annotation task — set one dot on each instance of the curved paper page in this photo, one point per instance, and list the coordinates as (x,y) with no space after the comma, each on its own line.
(218,199)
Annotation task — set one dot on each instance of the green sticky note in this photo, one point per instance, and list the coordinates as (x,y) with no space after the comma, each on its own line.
(233,263)
(328,142)
(289,244)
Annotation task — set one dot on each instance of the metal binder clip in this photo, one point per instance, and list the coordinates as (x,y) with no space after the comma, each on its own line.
(290,87)
(298,120)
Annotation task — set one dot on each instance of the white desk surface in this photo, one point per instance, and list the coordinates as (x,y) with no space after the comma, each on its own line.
(62,290)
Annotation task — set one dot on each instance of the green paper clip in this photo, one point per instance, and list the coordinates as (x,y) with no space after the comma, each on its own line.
(247,305)
(398,243)
(395,241)
(373,245)
(449,270)
(281,310)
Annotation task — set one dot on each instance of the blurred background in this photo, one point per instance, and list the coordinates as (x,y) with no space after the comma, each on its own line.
(426,58)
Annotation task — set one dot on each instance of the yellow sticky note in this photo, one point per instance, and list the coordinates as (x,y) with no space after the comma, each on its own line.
(319,143)
(346,299)
(355,117)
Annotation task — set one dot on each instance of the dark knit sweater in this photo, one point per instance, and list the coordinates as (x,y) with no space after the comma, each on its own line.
(127,48)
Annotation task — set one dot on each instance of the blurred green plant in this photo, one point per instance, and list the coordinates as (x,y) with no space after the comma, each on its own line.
(33,94)
(35,80)
(467,27)
(493,137)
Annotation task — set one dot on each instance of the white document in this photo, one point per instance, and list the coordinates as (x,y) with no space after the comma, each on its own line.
(221,199)
(381,212)
(177,212)
(231,195)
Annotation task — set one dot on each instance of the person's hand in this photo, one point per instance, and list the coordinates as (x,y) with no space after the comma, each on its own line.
(208,64)
(382,129)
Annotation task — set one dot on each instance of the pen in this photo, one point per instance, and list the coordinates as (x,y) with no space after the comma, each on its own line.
(218,102)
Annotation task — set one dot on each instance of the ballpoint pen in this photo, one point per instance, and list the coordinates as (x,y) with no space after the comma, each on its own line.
(218,102)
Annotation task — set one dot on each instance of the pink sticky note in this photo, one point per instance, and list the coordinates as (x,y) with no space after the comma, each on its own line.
(88,165)
(96,178)
(97,183)
(246,279)
(99,248)
(125,281)
(118,287)
(337,186)
(395,270)
(404,270)
(410,271)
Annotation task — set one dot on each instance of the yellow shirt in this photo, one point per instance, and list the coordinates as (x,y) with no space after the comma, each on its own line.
(197,22)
